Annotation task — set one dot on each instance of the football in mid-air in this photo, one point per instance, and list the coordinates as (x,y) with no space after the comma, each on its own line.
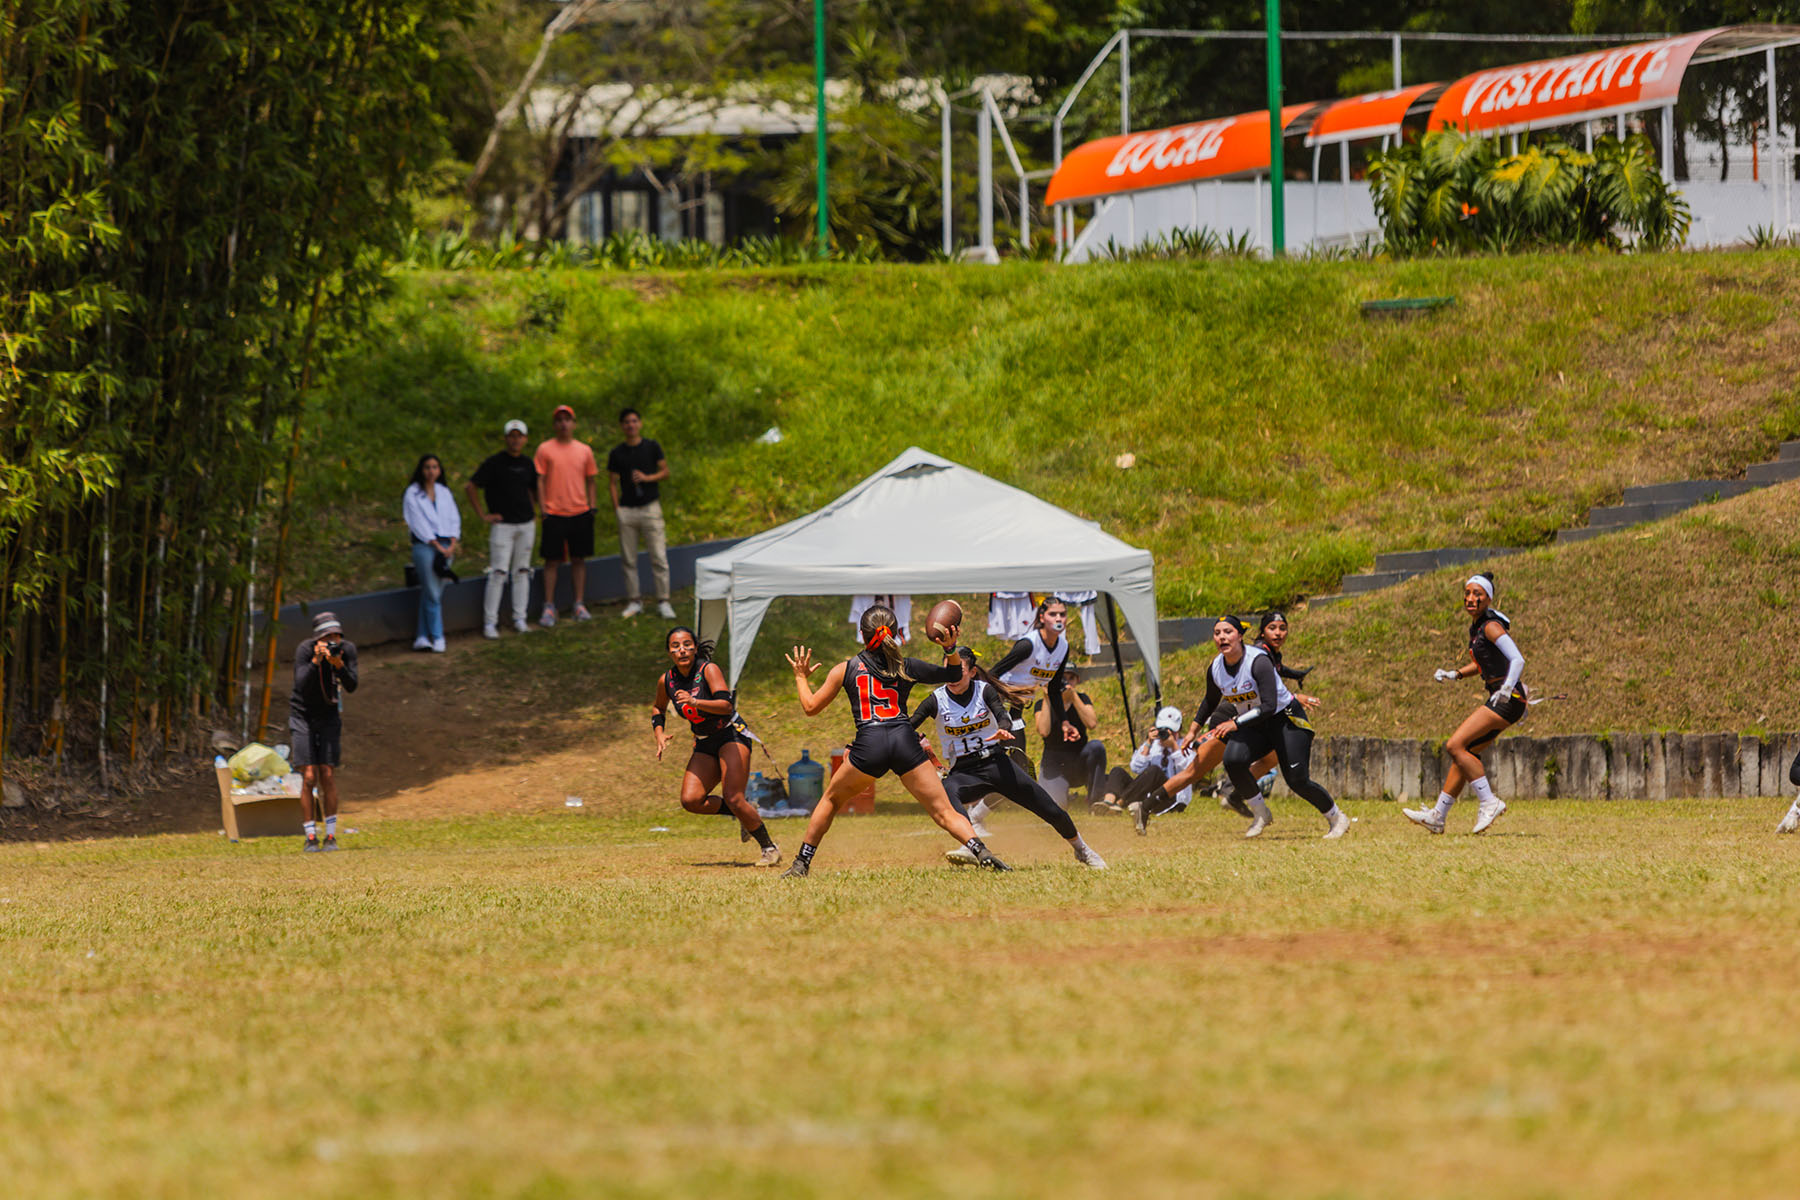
(942,622)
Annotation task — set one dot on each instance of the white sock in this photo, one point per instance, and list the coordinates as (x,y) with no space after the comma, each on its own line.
(1483,792)
(1444,801)
(331,825)
(978,811)
(1078,846)
(1333,815)
(312,829)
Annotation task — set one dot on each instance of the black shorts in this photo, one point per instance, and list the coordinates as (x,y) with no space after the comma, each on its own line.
(712,743)
(1511,709)
(879,749)
(568,537)
(315,743)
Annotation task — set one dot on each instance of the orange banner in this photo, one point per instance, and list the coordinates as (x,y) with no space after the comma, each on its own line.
(1561,90)
(1157,158)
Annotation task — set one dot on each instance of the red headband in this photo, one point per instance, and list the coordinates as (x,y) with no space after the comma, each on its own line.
(881,634)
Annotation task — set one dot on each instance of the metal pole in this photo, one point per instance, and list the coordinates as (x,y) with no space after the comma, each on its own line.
(1024,214)
(1668,143)
(1277,170)
(1318,153)
(1397,84)
(1344,183)
(1775,173)
(1112,621)
(944,101)
(819,123)
(984,153)
(1125,82)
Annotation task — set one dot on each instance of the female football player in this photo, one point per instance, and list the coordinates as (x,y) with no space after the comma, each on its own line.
(695,685)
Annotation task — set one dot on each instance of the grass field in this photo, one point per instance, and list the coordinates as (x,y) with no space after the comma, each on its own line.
(1595,1001)
(1280,439)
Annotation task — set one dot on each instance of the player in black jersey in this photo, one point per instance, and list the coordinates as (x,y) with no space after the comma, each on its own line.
(1494,657)
(695,686)
(878,682)
(972,730)
(1791,822)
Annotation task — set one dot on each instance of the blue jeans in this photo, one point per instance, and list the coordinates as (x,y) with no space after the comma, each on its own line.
(431,592)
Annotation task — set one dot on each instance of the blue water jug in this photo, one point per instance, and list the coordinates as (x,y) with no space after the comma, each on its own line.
(806,781)
(757,790)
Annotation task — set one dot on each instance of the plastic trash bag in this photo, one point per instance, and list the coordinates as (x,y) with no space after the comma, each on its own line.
(257,761)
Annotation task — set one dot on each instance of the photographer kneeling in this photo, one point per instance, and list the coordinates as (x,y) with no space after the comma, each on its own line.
(324,669)
(1160,758)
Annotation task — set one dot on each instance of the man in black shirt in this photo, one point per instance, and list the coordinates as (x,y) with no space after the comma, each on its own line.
(634,468)
(509,480)
(324,669)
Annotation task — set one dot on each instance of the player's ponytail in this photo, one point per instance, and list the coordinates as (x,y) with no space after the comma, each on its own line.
(880,631)
(1009,693)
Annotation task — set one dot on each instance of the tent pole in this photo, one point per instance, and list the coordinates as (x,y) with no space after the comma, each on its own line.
(1112,624)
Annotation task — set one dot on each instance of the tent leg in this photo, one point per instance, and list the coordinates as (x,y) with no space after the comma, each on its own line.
(1112,625)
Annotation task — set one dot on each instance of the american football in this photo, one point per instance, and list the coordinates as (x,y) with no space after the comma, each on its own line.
(944,619)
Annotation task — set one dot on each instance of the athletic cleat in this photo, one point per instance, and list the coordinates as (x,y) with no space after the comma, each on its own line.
(1488,813)
(770,857)
(330,842)
(1791,822)
(985,857)
(1260,817)
(312,846)
(1024,761)
(1340,824)
(962,856)
(798,869)
(1140,816)
(1237,806)
(1428,817)
(1089,859)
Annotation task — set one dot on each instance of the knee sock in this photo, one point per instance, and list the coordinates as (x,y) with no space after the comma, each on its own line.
(1483,792)
(979,810)
(311,828)
(807,850)
(761,834)
(1444,801)
(331,826)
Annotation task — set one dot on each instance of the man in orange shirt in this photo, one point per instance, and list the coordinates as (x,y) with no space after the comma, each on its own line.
(568,495)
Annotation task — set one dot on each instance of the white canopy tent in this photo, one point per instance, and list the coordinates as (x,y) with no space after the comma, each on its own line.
(923,524)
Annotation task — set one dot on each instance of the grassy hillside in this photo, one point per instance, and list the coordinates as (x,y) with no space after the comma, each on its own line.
(1280,438)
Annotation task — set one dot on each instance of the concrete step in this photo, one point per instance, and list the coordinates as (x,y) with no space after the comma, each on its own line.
(1325,601)
(1584,533)
(1620,515)
(1444,556)
(1690,491)
(1375,580)
(1789,452)
(1779,471)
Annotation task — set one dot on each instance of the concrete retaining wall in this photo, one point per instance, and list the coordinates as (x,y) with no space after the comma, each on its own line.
(390,616)
(1619,766)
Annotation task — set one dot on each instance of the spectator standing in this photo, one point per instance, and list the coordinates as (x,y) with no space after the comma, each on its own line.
(509,480)
(635,469)
(435,525)
(324,669)
(1070,757)
(568,495)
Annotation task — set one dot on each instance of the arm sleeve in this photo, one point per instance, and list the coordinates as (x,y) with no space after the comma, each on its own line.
(1021,650)
(926,710)
(1139,760)
(347,676)
(305,675)
(1515,662)
(920,671)
(1263,672)
(1288,672)
(1211,701)
(990,696)
(417,513)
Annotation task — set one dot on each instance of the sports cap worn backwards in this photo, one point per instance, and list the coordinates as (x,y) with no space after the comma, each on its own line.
(515,426)
(1169,718)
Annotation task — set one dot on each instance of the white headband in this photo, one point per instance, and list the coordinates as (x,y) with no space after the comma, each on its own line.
(1482,582)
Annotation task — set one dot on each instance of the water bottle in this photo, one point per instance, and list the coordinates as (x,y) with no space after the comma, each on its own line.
(757,790)
(806,781)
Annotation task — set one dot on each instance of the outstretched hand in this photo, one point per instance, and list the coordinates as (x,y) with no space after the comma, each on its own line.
(802,662)
(662,742)
(1311,702)
(999,735)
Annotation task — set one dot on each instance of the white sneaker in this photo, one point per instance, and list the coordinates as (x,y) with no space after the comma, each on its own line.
(491,632)
(421,643)
(1488,813)
(582,614)
(438,646)
(1339,825)
(1791,822)
(981,830)
(520,626)
(1090,859)
(1260,817)
(1428,817)
(962,856)
(771,857)
(665,610)
(547,618)
(631,610)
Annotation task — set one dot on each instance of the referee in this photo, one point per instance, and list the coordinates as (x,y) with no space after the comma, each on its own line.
(324,669)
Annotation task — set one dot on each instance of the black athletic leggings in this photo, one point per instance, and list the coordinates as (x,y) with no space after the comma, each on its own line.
(1146,787)
(1293,753)
(1794,772)
(966,784)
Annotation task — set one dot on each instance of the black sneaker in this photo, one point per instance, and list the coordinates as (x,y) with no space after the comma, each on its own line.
(312,846)
(798,869)
(986,858)
(330,841)
(1023,760)
(1239,807)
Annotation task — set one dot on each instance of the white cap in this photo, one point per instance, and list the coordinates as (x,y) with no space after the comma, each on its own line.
(1169,718)
(515,426)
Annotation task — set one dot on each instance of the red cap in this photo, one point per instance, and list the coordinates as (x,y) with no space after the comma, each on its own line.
(560,410)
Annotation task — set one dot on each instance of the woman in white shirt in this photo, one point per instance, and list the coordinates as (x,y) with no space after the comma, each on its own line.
(435,526)
(1162,757)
